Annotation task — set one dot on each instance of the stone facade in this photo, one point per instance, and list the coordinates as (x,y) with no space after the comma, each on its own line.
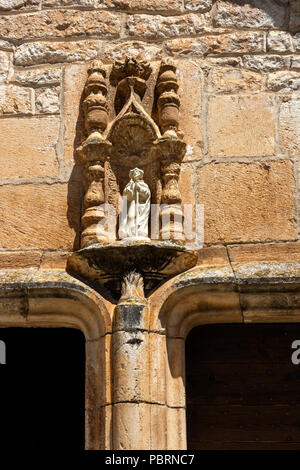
(238,71)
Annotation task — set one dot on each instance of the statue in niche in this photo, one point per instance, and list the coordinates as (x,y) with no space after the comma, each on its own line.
(134,222)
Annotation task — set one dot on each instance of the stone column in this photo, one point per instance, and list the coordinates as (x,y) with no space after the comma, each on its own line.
(94,152)
(171,151)
(130,363)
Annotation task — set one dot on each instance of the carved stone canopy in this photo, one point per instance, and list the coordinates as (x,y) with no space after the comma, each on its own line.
(109,151)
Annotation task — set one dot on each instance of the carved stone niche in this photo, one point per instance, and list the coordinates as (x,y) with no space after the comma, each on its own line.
(133,139)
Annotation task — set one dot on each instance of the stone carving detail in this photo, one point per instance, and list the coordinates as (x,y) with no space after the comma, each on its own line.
(94,152)
(132,288)
(136,197)
(168,101)
(150,151)
(171,151)
(131,140)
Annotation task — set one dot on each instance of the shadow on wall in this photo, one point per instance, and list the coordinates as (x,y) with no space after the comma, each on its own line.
(252,13)
(75,185)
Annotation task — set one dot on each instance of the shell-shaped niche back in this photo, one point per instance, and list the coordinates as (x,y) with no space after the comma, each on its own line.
(133,133)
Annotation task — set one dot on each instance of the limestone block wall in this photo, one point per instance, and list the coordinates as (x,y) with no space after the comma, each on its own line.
(239,75)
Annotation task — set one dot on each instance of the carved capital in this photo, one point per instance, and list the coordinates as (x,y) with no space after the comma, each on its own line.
(132,288)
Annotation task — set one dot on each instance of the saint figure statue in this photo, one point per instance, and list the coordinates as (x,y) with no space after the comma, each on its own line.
(134,222)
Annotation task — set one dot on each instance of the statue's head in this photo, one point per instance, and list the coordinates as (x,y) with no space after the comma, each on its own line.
(136,174)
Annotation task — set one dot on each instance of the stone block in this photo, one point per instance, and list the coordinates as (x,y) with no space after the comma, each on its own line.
(284,82)
(60,23)
(39,216)
(35,53)
(289,126)
(241,126)
(230,80)
(15,100)
(47,100)
(249,14)
(242,42)
(164,27)
(248,202)
(27,147)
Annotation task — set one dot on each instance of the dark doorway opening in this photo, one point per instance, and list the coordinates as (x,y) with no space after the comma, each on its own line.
(243,391)
(42,387)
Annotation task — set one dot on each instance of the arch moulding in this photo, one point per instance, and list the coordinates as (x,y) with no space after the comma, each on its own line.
(31,298)
(242,293)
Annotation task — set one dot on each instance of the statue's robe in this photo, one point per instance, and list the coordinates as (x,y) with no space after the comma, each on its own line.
(135,222)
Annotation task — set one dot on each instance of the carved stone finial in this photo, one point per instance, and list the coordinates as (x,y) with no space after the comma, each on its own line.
(130,67)
(95,103)
(168,101)
(129,76)
(132,288)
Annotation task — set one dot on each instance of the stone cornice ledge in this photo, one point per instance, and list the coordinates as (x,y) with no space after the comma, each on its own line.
(241,292)
(36,297)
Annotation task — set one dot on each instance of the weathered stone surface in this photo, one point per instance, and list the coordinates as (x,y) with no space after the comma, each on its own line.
(186,185)
(190,81)
(296,42)
(161,27)
(27,147)
(45,76)
(264,252)
(213,256)
(279,41)
(131,366)
(248,202)
(222,61)
(266,63)
(6,45)
(5,62)
(198,5)
(74,80)
(60,23)
(54,260)
(151,5)
(131,422)
(20,259)
(241,126)
(289,126)
(39,216)
(47,100)
(249,14)
(241,42)
(295,16)
(140,50)
(233,80)
(295,63)
(35,53)
(58,3)
(7,5)
(284,81)
(15,100)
